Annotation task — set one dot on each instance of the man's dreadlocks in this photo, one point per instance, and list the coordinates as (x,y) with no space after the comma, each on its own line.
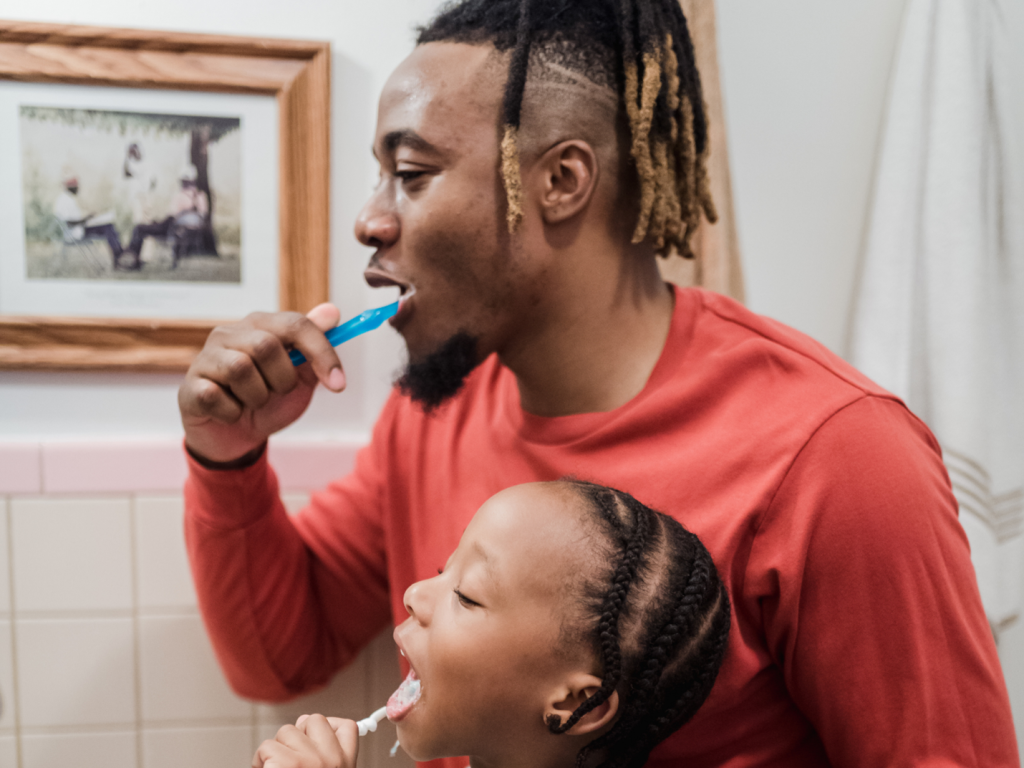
(647,45)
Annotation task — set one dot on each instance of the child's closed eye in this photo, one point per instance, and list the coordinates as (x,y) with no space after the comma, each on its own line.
(468,602)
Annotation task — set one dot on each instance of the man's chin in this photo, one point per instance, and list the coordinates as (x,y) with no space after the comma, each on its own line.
(438,377)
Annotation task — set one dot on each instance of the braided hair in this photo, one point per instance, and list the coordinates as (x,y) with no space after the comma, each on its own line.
(659,624)
(646,45)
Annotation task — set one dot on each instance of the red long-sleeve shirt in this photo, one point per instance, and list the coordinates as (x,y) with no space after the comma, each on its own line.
(858,634)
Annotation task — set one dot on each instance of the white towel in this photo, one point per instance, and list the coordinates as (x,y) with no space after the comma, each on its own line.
(939,319)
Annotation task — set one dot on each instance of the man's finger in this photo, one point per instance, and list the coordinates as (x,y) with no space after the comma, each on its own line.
(203,398)
(301,333)
(271,358)
(246,382)
(326,316)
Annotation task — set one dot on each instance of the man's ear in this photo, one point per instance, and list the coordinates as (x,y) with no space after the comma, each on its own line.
(567,178)
(564,700)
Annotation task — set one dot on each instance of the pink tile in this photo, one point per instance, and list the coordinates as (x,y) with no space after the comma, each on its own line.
(145,466)
(20,468)
(311,465)
(113,466)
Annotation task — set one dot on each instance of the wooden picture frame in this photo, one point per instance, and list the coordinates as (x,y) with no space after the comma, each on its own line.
(295,72)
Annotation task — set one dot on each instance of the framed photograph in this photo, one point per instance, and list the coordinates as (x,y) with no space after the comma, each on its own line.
(151,185)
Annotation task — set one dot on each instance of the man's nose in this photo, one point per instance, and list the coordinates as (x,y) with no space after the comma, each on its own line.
(377,224)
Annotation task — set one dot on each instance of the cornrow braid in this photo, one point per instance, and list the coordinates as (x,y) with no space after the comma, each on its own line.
(663,640)
(673,618)
(647,46)
(636,541)
(674,714)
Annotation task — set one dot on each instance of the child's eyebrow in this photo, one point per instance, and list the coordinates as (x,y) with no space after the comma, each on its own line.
(488,561)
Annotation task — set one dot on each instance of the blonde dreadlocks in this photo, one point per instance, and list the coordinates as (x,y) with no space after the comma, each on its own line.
(646,46)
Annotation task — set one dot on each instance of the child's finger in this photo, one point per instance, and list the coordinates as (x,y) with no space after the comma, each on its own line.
(307,752)
(347,734)
(328,744)
(273,754)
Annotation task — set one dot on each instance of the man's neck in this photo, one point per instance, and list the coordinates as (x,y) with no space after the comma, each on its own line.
(598,343)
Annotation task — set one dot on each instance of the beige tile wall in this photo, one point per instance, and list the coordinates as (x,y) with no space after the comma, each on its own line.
(103,656)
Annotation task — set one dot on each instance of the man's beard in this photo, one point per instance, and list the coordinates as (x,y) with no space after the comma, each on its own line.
(441,374)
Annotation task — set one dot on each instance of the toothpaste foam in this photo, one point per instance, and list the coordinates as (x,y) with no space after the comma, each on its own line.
(404,699)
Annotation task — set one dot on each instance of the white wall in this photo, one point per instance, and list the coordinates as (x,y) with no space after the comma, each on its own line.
(804,84)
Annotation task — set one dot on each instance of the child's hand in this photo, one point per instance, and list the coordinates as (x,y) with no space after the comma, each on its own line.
(314,741)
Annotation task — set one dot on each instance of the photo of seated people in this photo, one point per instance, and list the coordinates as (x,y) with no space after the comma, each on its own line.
(135,195)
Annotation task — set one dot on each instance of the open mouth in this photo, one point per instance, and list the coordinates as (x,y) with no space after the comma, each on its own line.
(376,278)
(401,316)
(402,701)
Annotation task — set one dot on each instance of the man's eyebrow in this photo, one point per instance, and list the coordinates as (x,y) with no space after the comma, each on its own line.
(407,138)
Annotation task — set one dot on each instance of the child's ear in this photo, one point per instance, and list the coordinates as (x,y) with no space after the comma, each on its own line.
(564,700)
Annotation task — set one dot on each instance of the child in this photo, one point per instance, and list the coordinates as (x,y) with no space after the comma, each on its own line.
(572,626)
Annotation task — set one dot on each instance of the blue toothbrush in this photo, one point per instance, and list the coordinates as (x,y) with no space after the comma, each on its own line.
(357,326)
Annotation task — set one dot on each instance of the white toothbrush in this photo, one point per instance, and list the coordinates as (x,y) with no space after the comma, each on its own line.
(369,724)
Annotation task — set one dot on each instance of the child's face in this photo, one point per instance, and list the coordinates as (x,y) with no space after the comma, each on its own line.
(483,636)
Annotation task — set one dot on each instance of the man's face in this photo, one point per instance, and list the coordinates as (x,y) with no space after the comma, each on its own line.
(437,215)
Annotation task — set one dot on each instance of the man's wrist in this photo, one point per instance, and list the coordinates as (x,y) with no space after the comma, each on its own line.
(242,462)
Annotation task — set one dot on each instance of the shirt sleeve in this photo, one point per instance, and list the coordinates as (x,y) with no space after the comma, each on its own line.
(862,576)
(285,609)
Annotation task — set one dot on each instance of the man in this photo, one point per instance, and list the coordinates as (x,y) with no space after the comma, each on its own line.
(141,183)
(188,212)
(77,222)
(527,182)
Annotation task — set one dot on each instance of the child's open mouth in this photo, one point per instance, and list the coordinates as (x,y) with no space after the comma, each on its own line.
(404,699)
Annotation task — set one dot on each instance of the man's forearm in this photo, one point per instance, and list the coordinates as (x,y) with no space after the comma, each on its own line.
(251,572)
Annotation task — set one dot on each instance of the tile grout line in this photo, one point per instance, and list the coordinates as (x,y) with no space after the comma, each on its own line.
(254,733)
(127,726)
(133,541)
(162,612)
(15,698)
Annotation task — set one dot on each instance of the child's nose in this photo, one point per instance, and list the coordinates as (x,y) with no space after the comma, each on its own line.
(417,601)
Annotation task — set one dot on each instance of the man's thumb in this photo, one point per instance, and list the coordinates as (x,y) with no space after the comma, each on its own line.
(324,316)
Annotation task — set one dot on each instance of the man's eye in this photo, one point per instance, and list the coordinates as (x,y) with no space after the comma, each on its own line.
(465,600)
(408,175)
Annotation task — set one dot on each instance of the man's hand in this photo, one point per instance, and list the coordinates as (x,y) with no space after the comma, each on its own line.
(242,387)
(314,741)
